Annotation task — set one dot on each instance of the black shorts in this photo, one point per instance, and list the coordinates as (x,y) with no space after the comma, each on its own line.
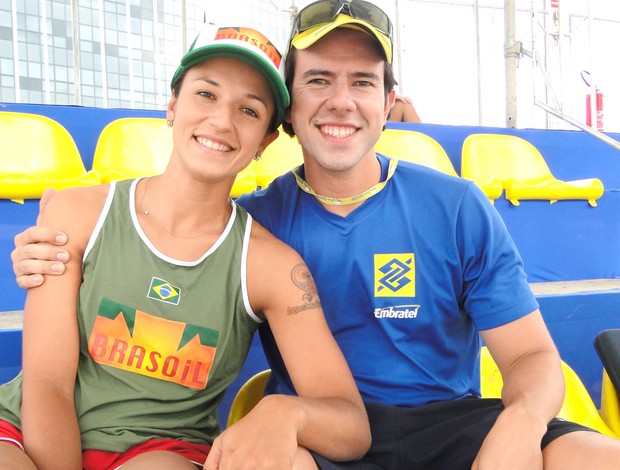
(441,435)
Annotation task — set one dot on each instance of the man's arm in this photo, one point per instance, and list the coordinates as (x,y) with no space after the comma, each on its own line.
(532,394)
(38,252)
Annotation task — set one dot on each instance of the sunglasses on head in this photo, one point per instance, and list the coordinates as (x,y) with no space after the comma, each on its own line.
(325,11)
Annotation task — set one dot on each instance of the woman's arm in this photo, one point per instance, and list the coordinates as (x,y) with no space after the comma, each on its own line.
(51,342)
(328,415)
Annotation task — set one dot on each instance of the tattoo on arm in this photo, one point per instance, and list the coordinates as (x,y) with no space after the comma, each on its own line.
(303,279)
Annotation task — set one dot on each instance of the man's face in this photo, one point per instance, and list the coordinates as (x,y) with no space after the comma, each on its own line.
(339,106)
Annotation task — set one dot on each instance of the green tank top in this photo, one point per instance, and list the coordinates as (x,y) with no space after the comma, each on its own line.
(160,339)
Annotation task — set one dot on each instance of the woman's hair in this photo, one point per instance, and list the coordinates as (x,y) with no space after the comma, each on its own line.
(389,80)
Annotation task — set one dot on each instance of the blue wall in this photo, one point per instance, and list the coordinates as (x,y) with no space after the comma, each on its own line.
(567,240)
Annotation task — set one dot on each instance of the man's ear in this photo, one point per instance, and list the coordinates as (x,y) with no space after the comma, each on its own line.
(389,103)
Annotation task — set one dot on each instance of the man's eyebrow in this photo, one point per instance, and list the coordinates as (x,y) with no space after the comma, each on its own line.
(327,73)
(313,72)
(370,75)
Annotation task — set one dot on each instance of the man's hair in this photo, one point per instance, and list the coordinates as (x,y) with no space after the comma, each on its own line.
(389,80)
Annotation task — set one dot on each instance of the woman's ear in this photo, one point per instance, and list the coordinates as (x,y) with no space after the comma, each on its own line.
(268,139)
(170,109)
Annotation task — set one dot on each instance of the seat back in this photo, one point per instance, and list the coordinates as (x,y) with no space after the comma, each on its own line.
(38,152)
(415,147)
(282,155)
(248,396)
(610,404)
(132,147)
(521,170)
(577,406)
(141,146)
(607,346)
(505,157)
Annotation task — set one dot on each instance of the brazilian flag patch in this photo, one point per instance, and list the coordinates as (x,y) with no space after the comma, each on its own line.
(164,291)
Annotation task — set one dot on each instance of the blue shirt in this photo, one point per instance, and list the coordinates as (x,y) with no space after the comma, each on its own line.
(406,280)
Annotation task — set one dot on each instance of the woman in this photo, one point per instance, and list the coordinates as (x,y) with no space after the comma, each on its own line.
(169,279)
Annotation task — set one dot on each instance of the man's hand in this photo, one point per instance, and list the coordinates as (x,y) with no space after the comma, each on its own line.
(512,444)
(36,254)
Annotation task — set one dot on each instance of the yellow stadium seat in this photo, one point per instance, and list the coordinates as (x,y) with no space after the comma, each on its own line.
(420,148)
(610,404)
(415,147)
(577,407)
(281,156)
(245,183)
(37,153)
(248,396)
(607,346)
(132,147)
(521,169)
(141,146)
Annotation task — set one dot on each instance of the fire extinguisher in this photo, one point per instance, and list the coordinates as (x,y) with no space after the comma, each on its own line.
(598,103)
(598,108)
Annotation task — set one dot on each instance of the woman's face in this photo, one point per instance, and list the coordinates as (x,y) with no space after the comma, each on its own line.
(221,116)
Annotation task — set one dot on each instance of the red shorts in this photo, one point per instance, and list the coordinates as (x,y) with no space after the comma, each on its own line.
(104,460)
(11,435)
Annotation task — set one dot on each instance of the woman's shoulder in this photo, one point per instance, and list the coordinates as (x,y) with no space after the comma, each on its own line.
(76,200)
(75,210)
(268,250)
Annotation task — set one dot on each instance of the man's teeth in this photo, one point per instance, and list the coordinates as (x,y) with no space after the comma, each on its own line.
(338,131)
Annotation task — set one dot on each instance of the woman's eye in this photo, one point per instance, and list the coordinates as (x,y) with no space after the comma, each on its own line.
(206,94)
(250,111)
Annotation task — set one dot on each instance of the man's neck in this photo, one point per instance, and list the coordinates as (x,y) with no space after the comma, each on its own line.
(343,185)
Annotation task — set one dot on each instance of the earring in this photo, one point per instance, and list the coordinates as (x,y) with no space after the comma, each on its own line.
(170,122)
(258,156)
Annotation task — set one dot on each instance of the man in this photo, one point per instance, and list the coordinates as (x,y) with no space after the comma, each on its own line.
(411,265)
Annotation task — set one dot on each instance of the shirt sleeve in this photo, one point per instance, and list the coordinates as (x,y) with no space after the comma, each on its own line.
(495,287)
